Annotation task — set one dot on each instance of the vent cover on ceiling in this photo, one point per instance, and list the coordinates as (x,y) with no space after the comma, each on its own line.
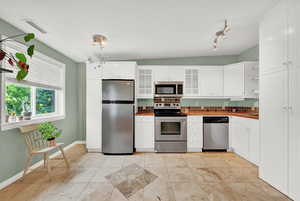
(34,25)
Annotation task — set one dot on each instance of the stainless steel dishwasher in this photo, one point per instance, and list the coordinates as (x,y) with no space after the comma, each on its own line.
(215,133)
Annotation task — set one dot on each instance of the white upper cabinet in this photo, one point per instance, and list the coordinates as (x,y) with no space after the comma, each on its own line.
(168,73)
(145,82)
(234,80)
(273,38)
(211,81)
(176,73)
(161,73)
(119,70)
(191,82)
(241,80)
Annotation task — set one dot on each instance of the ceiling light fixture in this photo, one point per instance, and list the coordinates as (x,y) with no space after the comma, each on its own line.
(101,41)
(221,35)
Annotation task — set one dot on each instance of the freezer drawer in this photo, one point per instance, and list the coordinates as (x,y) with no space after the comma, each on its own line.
(215,136)
(117,128)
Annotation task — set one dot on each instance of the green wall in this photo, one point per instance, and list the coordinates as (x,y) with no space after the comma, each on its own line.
(252,54)
(201,60)
(12,145)
(82,101)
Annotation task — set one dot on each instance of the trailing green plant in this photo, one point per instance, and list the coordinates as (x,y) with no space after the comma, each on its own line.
(19,59)
(48,131)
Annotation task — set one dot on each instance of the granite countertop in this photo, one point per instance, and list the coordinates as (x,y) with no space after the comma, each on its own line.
(204,113)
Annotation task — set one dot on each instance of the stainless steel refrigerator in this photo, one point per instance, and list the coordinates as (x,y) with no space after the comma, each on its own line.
(118,116)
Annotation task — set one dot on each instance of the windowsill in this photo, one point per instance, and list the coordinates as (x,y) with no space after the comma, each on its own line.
(12,125)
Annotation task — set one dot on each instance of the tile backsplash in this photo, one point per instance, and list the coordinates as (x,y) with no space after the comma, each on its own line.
(206,103)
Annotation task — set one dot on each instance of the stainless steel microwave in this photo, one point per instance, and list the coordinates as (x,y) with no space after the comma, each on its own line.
(165,89)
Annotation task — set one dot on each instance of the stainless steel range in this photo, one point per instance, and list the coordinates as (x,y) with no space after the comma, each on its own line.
(170,125)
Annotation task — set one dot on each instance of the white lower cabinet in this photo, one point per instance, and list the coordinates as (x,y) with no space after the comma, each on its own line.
(244,138)
(239,137)
(194,133)
(144,133)
(254,149)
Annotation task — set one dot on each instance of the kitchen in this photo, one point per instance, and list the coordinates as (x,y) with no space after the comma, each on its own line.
(205,109)
(167,91)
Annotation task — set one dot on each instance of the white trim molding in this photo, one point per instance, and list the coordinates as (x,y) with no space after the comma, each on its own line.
(145,150)
(94,150)
(34,166)
(192,150)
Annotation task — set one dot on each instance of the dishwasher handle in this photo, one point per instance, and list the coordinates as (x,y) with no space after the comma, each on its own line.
(215,120)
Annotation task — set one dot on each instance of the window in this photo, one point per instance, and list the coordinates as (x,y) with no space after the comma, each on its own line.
(16,99)
(40,97)
(45,101)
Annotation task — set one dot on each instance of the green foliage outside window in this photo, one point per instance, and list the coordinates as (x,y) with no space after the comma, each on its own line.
(16,98)
(45,101)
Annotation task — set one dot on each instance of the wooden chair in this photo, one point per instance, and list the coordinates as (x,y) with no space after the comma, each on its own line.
(37,145)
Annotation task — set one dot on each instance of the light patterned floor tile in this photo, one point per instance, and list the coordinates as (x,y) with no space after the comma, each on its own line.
(178,177)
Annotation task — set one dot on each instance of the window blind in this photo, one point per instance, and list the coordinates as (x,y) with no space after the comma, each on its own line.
(44,72)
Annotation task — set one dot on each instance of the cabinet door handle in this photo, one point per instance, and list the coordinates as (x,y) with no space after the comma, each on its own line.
(285,107)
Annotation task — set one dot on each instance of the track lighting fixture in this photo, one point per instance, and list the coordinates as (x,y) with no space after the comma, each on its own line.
(221,35)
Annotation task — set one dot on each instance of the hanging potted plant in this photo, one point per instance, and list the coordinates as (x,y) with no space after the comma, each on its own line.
(49,132)
(19,59)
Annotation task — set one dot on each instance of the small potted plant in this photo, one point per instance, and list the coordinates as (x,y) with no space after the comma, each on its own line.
(20,118)
(6,115)
(49,132)
(27,110)
(12,117)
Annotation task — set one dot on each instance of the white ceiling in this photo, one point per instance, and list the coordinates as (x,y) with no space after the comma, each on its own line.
(139,29)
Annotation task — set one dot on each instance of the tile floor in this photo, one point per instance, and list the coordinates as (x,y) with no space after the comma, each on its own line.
(145,177)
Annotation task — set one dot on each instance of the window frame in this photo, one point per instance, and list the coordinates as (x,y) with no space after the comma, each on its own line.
(59,92)
(55,103)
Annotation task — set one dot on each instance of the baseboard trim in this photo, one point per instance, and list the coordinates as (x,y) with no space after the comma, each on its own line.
(34,166)
(94,150)
(191,150)
(144,149)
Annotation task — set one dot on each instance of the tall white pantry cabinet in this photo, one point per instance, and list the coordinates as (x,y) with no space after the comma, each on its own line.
(93,107)
(279,98)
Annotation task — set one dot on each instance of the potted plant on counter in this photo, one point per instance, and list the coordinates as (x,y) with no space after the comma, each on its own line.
(49,132)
